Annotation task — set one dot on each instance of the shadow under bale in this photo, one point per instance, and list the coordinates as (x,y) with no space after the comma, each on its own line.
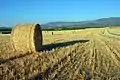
(64,44)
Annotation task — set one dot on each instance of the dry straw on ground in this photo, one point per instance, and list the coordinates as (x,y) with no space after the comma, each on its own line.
(27,37)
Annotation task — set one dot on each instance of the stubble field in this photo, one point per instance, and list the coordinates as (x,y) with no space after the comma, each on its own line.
(86,54)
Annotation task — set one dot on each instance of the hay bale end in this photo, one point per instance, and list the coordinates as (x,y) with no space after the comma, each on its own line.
(27,37)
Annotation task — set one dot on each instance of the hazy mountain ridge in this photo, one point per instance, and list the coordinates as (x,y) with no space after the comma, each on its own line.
(112,21)
(102,22)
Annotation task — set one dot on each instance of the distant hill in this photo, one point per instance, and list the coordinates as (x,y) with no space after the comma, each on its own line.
(5,28)
(2,27)
(112,21)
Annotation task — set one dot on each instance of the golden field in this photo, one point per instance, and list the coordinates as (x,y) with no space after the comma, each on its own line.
(86,54)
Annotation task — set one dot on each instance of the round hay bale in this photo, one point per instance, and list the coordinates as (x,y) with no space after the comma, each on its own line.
(27,37)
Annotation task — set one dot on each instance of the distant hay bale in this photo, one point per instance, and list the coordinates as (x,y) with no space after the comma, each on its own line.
(52,33)
(27,37)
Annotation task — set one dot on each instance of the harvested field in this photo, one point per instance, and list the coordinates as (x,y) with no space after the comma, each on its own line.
(86,54)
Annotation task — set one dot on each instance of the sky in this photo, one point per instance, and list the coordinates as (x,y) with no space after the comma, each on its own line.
(42,11)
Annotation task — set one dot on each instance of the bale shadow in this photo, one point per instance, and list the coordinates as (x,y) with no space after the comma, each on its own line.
(2,61)
(49,47)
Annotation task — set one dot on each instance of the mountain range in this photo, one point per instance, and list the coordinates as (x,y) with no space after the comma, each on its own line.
(111,21)
(102,22)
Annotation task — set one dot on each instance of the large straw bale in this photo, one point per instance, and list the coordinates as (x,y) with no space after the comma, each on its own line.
(27,37)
